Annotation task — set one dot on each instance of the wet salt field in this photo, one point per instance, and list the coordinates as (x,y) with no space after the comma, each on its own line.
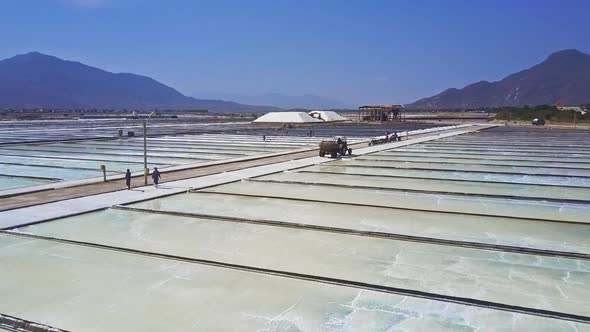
(181,296)
(348,129)
(62,130)
(384,241)
(57,130)
(23,165)
(45,152)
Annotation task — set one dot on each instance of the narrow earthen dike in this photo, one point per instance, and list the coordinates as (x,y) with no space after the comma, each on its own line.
(21,325)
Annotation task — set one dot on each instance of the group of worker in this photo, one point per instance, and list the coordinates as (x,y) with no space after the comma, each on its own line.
(155,177)
(392,137)
(385,138)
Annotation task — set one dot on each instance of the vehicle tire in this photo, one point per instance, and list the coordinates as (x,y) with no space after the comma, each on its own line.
(349,151)
(322,153)
(334,155)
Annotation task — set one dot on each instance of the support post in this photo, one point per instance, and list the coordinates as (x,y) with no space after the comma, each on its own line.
(145,167)
(103,168)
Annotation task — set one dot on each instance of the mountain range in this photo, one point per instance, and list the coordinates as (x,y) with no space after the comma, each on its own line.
(36,80)
(563,77)
(306,101)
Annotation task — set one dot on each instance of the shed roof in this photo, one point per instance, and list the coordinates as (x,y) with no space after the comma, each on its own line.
(382,107)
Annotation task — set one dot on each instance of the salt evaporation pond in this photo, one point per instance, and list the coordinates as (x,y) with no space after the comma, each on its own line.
(481,168)
(474,177)
(489,206)
(508,148)
(378,242)
(90,289)
(409,152)
(451,226)
(465,272)
(479,161)
(76,160)
(9,182)
(442,186)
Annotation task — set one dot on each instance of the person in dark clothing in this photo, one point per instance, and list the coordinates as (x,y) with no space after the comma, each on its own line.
(156,176)
(128,179)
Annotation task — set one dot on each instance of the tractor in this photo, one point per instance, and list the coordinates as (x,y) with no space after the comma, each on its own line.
(336,146)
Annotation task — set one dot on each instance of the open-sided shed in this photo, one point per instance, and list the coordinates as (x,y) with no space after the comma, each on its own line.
(381,113)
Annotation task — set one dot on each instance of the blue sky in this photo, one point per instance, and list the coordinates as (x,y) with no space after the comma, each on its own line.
(354,51)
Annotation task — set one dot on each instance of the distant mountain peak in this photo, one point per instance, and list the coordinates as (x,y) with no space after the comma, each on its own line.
(567,57)
(36,56)
(567,52)
(31,57)
(564,76)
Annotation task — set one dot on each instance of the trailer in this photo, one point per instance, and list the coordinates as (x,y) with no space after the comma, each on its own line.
(336,146)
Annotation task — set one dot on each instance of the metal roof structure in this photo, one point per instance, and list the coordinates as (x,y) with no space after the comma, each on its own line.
(381,107)
(393,112)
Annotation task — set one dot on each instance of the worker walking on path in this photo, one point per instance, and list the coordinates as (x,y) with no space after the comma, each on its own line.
(156,176)
(128,179)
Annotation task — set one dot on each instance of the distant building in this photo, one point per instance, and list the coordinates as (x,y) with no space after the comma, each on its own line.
(381,113)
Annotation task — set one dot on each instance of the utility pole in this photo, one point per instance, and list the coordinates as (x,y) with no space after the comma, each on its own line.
(145,164)
(506,116)
(145,167)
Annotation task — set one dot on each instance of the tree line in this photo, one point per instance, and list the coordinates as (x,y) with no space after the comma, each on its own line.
(546,112)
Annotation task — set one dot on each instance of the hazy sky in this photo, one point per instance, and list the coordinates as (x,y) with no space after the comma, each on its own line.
(353,51)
